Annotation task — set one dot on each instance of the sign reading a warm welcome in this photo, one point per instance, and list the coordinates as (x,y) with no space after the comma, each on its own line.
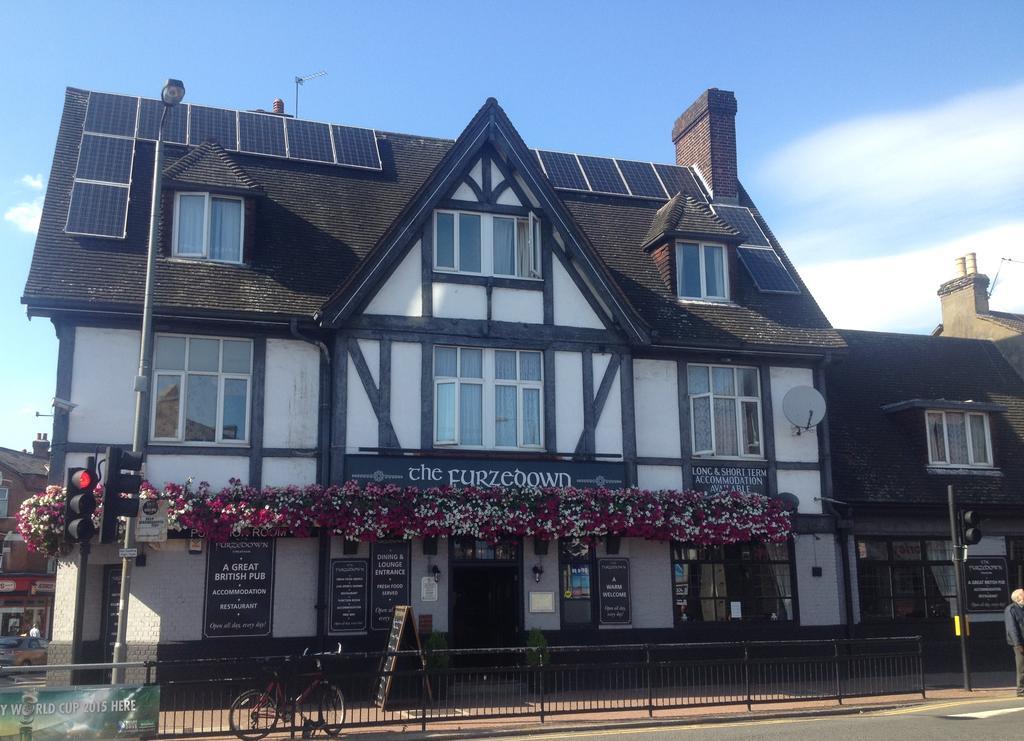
(482,473)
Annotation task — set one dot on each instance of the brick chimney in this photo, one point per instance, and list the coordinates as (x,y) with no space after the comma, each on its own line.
(705,136)
(963,298)
(41,446)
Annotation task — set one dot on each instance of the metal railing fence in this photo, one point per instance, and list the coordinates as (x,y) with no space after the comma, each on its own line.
(195,696)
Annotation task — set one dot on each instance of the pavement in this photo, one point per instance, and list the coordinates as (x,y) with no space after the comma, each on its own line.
(860,718)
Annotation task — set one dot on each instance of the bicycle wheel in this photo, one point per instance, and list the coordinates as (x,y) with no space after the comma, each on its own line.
(332,709)
(253,715)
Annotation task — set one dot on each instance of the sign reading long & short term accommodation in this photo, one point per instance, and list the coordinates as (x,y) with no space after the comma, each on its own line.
(389,567)
(483,473)
(101,712)
(348,595)
(985,584)
(715,477)
(239,588)
(613,590)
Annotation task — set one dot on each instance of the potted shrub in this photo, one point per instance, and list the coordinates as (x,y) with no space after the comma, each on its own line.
(537,655)
(435,649)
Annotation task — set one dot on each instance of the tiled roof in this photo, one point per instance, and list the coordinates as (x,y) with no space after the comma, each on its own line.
(1005,318)
(882,457)
(314,223)
(22,463)
(684,214)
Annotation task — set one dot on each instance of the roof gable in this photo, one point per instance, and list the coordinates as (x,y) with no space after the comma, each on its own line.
(209,165)
(683,216)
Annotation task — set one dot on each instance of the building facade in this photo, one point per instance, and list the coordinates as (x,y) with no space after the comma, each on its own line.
(336,305)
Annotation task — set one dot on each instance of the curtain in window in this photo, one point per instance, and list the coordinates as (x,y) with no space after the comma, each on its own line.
(688,270)
(936,438)
(469,243)
(471,427)
(505,415)
(751,429)
(725,427)
(531,416)
(444,250)
(225,230)
(505,365)
(701,410)
(191,218)
(445,359)
(504,247)
(714,272)
(957,437)
(979,445)
(444,414)
(524,256)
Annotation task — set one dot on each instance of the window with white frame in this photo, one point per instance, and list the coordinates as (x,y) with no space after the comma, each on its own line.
(488,398)
(959,439)
(5,496)
(487,244)
(201,389)
(702,271)
(725,410)
(208,227)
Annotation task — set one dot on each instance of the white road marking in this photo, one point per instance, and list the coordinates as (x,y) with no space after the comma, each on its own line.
(981,714)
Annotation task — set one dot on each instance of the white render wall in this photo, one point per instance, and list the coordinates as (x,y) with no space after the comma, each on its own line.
(102,385)
(608,430)
(820,597)
(361,426)
(790,446)
(291,395)
(571,309)
(458,301)
(568,400)
(656,399)
(289,471)
(406,358)
(513,305)
(659,477)
(214,469)
(402,293)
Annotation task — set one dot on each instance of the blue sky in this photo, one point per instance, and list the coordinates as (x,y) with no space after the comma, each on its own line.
(880,139)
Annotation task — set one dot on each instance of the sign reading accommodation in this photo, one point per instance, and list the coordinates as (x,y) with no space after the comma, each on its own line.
(239,588)
(389,568)
(484,473)
(985,584)
(613,591)
(711,478)
(348,595)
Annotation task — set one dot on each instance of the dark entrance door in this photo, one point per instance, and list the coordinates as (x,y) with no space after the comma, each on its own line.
(485,608)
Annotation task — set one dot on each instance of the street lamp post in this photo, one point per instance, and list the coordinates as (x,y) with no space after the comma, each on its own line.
(172,94)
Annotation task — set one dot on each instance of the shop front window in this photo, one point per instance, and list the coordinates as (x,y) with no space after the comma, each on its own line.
(576,561)
(905,579)
(468,549)
(746,581)
(1015,568)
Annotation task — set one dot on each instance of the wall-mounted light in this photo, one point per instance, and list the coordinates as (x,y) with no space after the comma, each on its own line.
(435,572)
(538,572)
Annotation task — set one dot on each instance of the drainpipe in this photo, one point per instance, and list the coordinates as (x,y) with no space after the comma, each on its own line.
(323,477)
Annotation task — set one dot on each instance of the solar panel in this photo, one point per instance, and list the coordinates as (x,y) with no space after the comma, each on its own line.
(603,175)
(111,114)
(261,134)
(212,124)
(678,180)
(98,210)
(308,140)
(740,219)
(105,158)
(563,170)
(767,270)
(175,125)
(356,147)
(641,179)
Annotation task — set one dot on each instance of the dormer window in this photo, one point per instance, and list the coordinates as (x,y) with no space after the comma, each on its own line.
(702,271)
(959,439)
(208,227)
(487,244)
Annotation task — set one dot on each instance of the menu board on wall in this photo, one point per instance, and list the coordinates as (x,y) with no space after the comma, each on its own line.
(348,595)
(239,589)
(613,592)
(389,568)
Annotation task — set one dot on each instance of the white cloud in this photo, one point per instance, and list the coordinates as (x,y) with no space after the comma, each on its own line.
(35,182)
(898,292)
(26,216)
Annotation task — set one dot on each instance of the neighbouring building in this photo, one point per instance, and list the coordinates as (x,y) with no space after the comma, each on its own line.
(343,305)
(966,313)
(26,579)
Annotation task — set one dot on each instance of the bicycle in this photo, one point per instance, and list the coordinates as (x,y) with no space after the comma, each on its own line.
(255,713)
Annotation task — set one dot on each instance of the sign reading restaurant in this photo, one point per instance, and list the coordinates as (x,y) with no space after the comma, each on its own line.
(482,473)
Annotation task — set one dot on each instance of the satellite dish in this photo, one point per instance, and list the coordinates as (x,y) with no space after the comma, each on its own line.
(804,407)
(789,500)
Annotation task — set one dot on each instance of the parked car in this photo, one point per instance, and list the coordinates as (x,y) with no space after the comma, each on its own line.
(22,651)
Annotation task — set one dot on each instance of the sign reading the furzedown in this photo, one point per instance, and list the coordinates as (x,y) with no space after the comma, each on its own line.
(985,584)
(239,588)
(348,594)
(482,473)
(613,590)
(711,478)
(389,565)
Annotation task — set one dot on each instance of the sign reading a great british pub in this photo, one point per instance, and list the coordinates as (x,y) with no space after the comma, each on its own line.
(239,588)
(985,584)
(482,473)
(711,478)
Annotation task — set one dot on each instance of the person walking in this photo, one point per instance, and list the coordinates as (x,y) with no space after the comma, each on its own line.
(1013,616)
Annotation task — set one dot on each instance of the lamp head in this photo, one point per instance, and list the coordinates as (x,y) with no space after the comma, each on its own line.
(173,92)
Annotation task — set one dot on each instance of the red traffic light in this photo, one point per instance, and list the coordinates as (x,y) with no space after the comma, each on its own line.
(83,479)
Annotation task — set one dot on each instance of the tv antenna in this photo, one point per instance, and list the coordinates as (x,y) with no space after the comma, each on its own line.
(302,81)
(1002,261)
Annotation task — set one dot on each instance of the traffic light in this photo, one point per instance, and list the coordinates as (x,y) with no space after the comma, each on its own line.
(80,503)
(970,532)
(118,482)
